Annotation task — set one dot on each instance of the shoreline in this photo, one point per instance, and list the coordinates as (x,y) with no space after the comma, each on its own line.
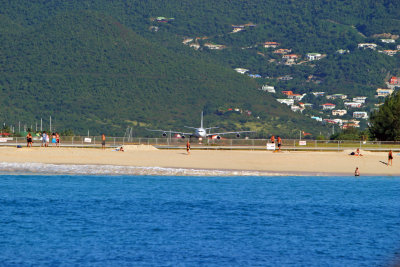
(201,163)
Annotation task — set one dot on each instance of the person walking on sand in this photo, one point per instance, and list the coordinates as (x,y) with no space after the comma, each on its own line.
(273,139)
(29,140)
(103,141)
(57,139)
(188,147)
(44,137)
(390,158)
(279,143)
(357,172)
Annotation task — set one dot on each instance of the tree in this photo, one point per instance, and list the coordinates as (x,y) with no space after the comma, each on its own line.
(385,123)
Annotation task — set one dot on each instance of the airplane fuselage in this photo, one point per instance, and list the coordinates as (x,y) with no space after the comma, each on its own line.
(200,133)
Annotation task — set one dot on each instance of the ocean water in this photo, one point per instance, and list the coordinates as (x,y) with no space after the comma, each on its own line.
(76,220)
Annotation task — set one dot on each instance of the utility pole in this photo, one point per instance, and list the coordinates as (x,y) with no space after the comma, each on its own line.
(50,124)
(41,124)
(19,126)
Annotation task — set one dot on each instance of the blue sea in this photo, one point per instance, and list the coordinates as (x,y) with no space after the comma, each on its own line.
(77,220)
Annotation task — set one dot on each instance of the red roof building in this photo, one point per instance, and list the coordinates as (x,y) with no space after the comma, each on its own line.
(394,80)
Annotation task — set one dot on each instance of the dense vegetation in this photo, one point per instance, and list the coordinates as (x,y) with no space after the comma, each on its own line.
(101,64)
(385,123)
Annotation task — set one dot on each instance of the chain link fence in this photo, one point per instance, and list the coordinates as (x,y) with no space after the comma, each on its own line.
(175,143)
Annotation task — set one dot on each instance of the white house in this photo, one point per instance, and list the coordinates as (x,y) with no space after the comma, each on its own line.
(328,106)
(336,96)
(195,46)
(316,118)
(339,112)
(241,70)
(360,99)
(268,88)
(288,102)
(388,41)
(360,115)
(318,93)
(314,56)
(214,46)
(384,92)
(353,104)
(367,45)
(296,108)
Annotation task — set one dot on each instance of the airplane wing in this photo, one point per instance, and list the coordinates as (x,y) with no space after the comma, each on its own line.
(237,132)
(172,132)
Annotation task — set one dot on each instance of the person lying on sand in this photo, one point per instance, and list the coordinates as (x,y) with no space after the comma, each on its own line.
(357,153)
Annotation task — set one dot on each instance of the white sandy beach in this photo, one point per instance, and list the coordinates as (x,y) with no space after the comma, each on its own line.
(313,163)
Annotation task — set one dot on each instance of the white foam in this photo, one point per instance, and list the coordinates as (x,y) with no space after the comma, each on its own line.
(41,168)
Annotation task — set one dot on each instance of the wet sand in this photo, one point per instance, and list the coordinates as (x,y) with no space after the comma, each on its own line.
(287,163)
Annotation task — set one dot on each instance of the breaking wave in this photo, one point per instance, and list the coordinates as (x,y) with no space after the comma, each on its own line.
(61,169)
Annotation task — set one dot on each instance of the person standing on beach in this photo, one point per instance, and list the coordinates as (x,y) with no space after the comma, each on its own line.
(390,158)
(29,140)
(44,137)
(279,143)
(53,139)
(103,141)
(357,172)
(273,139)
(57,139)
(188,147)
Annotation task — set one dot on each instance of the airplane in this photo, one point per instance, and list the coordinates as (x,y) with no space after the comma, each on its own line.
(200,132)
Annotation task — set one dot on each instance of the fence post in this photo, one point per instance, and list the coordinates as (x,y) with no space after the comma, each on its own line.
(114,141)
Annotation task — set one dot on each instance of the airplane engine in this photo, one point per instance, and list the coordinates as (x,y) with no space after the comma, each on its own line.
(238,135)
(182,136)
(164,134)
(218,137)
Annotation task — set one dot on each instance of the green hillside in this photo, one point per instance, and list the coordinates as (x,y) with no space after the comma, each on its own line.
(112,64)
(88,70)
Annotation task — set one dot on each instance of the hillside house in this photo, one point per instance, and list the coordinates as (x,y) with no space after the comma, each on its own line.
(241,70)
(367,45)
(214,46)
(389,52)
(288,93)
(187,41)
(352,104)
(328,106)
(195,46)
(343,51)
(296,97)
(360,115)
(314,56)
(360,99)
(271,44)
(336,96)
(237,28)
(268,88)
(339,112)
(308,105)
(384,92)
(316,118)
(254,75)
(283,51)
(350,125)
(394,81)
(296,108)
(290,58)
(317,94)
(288,102)
(388,41)
(398,47)
(285,78)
